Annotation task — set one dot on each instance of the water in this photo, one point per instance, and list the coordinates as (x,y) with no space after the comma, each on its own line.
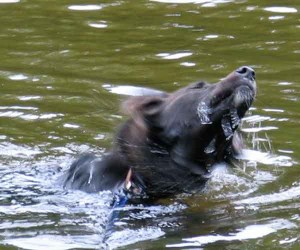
(66,65)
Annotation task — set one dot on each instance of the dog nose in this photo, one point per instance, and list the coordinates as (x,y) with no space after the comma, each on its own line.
(247,72)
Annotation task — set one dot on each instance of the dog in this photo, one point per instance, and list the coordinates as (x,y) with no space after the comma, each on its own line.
(171,140)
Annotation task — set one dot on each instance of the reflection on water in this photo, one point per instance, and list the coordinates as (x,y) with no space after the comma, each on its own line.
(281,9)
(131,90)
(64,68)
(174,56)
(205,3)
(85,7)
(9,1)
(99,25)
(249,232)
(292,193)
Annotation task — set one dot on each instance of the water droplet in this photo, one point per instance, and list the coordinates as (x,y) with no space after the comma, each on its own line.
(204,111)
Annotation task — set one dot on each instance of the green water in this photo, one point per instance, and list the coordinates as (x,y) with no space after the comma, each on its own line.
(59,60)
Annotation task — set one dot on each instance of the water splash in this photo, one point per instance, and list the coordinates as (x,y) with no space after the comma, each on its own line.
(204,112)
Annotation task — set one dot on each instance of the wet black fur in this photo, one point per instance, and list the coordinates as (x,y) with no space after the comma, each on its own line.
(171,140)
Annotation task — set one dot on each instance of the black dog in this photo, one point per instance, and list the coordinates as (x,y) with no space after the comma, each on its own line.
(171,140)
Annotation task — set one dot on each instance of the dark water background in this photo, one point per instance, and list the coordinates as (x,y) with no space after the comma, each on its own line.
(62,68)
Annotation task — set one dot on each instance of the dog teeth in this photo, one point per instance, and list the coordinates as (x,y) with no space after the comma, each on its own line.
(211,147)
(235,119)
(226,126)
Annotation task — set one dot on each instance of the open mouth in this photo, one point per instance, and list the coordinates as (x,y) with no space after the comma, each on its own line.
(234,105)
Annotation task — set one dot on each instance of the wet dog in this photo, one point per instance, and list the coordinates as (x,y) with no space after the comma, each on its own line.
(171,141)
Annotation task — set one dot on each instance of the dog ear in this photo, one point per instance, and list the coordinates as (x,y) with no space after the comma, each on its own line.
(144,109)
(143,105)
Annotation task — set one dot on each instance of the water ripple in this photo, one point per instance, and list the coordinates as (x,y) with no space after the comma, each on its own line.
(58,242)
(249,232)
(287,195)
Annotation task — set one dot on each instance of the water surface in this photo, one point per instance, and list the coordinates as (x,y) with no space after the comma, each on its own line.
(66,65)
